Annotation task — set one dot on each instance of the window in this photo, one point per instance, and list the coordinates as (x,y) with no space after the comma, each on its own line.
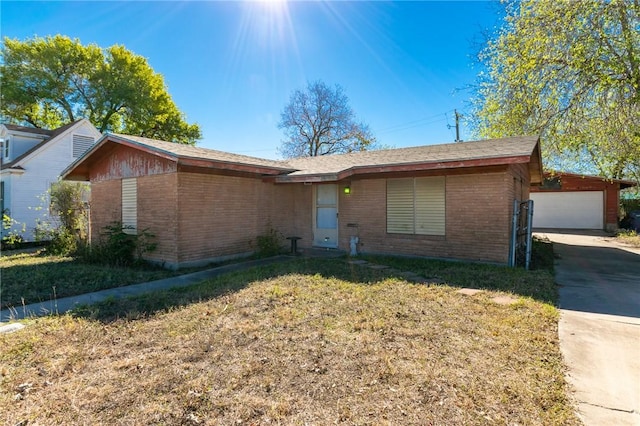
(81,144)
(416,206)
(2,198)
(5,148)
(129,206)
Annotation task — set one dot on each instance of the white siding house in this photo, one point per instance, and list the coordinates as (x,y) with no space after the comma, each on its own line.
(32,159)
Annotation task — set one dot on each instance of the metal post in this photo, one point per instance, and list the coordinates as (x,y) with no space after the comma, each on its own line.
(529,233)
(514,233)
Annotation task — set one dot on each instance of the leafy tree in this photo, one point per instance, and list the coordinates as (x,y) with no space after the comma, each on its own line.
(68,204)
(569,71)
(319,121)
(52,81)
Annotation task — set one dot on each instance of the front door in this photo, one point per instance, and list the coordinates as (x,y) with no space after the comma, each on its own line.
(325,216)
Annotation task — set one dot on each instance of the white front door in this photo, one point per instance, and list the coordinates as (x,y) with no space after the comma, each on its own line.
(325,216)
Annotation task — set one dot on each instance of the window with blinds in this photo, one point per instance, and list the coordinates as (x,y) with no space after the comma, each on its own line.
(416,206)
(129,206)
(81,144)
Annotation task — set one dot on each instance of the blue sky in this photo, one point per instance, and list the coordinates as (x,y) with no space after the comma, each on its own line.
(232,66)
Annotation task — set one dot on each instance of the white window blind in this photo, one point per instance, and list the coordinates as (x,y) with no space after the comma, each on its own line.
(416,206)
(81,144)
(129,206)
(400,206)
(429,206)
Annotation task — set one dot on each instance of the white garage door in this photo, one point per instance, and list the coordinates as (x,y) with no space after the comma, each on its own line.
(568,210)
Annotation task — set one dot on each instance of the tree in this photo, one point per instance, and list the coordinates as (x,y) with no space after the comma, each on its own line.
(319,121)
(569,71)
(52,81)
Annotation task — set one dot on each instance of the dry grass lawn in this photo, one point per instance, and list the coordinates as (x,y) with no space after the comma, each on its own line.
(294,347)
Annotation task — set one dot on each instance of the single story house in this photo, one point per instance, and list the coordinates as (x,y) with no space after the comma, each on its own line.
(573,201)
(444,201)
(31,160)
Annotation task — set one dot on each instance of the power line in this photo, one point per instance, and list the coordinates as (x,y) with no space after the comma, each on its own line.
(415,123)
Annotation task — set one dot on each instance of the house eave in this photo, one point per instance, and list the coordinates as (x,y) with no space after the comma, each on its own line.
(399,168)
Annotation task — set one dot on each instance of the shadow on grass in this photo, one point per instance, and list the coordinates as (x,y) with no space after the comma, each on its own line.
(538,284)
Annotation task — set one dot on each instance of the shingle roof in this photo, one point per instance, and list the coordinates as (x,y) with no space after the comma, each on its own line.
(453,152)
(26,129)
(330,167)
(190,151)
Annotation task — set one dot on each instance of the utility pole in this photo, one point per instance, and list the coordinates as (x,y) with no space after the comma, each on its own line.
(457,125)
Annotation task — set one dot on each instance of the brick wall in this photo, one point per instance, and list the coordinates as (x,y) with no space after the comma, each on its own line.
(223,215)
(477,219)
(106,206)
(202,217)
(157,212)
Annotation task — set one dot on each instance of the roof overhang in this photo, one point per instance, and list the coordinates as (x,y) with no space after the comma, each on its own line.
(624,183)
(12,171)
(402,168)
(80,169)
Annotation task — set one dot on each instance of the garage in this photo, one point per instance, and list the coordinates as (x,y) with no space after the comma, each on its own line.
(568,210)
(573,201)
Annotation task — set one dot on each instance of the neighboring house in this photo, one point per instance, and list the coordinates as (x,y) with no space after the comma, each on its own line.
(442,201)
(573,201)
(32,159)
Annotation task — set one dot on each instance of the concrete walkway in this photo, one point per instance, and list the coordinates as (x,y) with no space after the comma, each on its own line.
(66,304)
(599,326)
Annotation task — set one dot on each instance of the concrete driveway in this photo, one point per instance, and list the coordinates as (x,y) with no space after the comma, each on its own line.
(600,325)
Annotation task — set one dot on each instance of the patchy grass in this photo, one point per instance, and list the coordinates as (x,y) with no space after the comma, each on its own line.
(631,238)
(537,284)
(34,277)
(303,342)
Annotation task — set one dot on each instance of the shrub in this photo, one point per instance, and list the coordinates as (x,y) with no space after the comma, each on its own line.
(68,203)
(119,248)
(63,243)
(269,244)
(13,238)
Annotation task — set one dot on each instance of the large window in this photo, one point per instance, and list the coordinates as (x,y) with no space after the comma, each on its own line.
(129,206)
(416,206)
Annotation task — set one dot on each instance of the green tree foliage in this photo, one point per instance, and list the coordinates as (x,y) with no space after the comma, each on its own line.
(69,206)
(68,203)
(569,71)
(319,121)
(52,81)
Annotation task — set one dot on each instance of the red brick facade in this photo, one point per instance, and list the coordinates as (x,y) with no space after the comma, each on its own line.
(203,215)
(478,217)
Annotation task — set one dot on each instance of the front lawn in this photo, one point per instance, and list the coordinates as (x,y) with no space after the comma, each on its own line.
(307,341)
(35,277)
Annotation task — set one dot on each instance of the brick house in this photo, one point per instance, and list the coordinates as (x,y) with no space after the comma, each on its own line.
(573,201)
(443,201)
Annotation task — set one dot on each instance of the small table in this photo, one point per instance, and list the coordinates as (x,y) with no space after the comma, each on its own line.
(294,244)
